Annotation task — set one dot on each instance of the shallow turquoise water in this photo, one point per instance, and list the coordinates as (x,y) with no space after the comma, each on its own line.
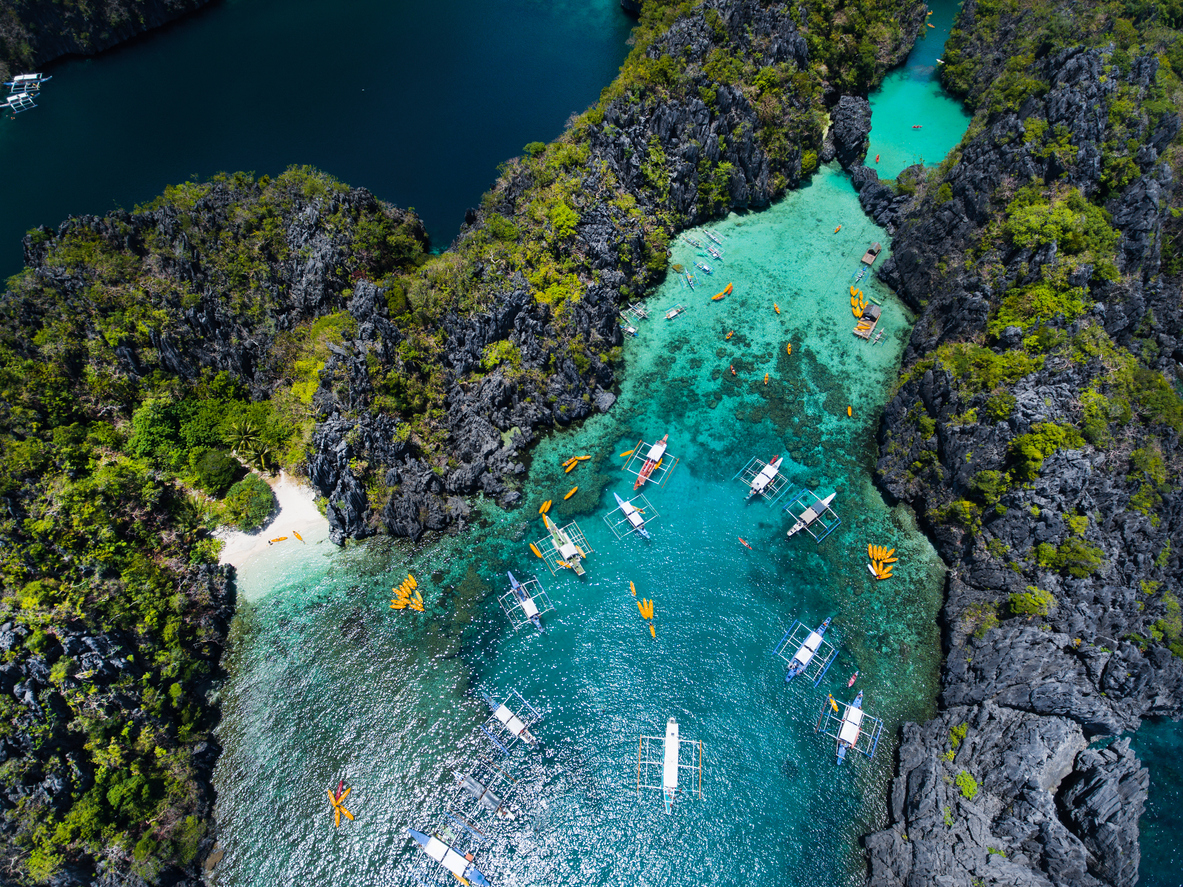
(328,682)
(912,97)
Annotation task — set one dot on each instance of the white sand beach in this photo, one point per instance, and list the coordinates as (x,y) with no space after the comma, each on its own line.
(297,514)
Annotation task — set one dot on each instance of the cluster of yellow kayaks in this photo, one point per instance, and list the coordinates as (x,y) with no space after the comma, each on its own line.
(646,607)
(726,292)
(882,561)
(570,464)
(857,303)
(407,596)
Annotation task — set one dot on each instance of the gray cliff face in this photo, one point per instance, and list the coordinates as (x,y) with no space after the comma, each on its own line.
(33,32)
(1024,795)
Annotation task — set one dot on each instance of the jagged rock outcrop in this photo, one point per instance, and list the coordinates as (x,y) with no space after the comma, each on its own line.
(1038,492)
(33,32)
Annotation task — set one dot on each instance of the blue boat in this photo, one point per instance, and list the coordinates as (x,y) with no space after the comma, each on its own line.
(526,601)
(458,864)
(806,651)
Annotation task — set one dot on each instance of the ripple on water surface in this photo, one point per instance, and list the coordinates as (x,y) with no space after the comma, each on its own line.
(327,681)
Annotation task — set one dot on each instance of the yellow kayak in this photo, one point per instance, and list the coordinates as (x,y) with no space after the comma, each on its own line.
(626,453)
(789,348)
(567,470)
(632,588)
(534,548)
(849,412)
(582,458)
(277,539)
(766,378)
(542,508)
(570,493)
(776,307)
(653,632)
(297,535)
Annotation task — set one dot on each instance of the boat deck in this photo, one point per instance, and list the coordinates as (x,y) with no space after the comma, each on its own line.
(619,523)
(776,488)
(867,323)
(818,655)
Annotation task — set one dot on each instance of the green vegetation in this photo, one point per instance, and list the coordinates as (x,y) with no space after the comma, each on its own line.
(967,784)
(980,618)
(1028,451)
(957,734)
(1032,602)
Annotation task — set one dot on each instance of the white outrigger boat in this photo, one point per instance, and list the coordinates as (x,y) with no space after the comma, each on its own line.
(704,267)
(669,764)
(806,652)
(446,850)
(525,602)
(818,512)
(853,729)
(633,515)
(761,481)
(506,726)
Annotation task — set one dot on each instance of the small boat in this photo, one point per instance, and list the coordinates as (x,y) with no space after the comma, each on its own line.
(849,412)
(690,279)
(652,631)
(297,535)
(729,335)
(853,678)
(766,378)
(527,602)
(459,864)
(674,312)
(715,252)
(745,543)
(567,549)
(789,348)
(806,651)
(812,513)
(852,724)
(776,307)
(534,548)
(877,156)
(916,126)
(633,515)
(626,453)
(930,24)
(839,228)
(713,236)
(632,588)
(542,507)
(570,493)
(570,468)
(690,240)
(276,539)
(764,478)
(732,369)
(652,459)
(704,267)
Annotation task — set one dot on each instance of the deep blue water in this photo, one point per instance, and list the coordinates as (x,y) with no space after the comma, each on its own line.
(419,102)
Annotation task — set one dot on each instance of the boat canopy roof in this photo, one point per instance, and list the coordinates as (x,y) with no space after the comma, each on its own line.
(669,770)
(512,722)
(851,725)
(530,609)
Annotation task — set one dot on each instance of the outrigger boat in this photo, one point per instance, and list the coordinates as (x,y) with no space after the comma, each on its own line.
(570,552)
(445,852)
(713,236)
(704,267)
(479,783)
(852,729)
(633,515)
(670,763)
(808,654)
(652,460)
(506,726)
(674,312)
(811,514)
(764,478)
(690,240)
(525,602)
(807,651)
(715,251)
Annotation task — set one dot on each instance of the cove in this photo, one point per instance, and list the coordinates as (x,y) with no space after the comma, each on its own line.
(328,682)
(912,97)
(418,102)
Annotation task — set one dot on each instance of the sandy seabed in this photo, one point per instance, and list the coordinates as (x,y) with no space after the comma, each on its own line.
(297,514)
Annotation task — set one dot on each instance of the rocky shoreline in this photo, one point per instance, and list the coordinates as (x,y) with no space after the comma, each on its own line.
(1031,445)
(33,32)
